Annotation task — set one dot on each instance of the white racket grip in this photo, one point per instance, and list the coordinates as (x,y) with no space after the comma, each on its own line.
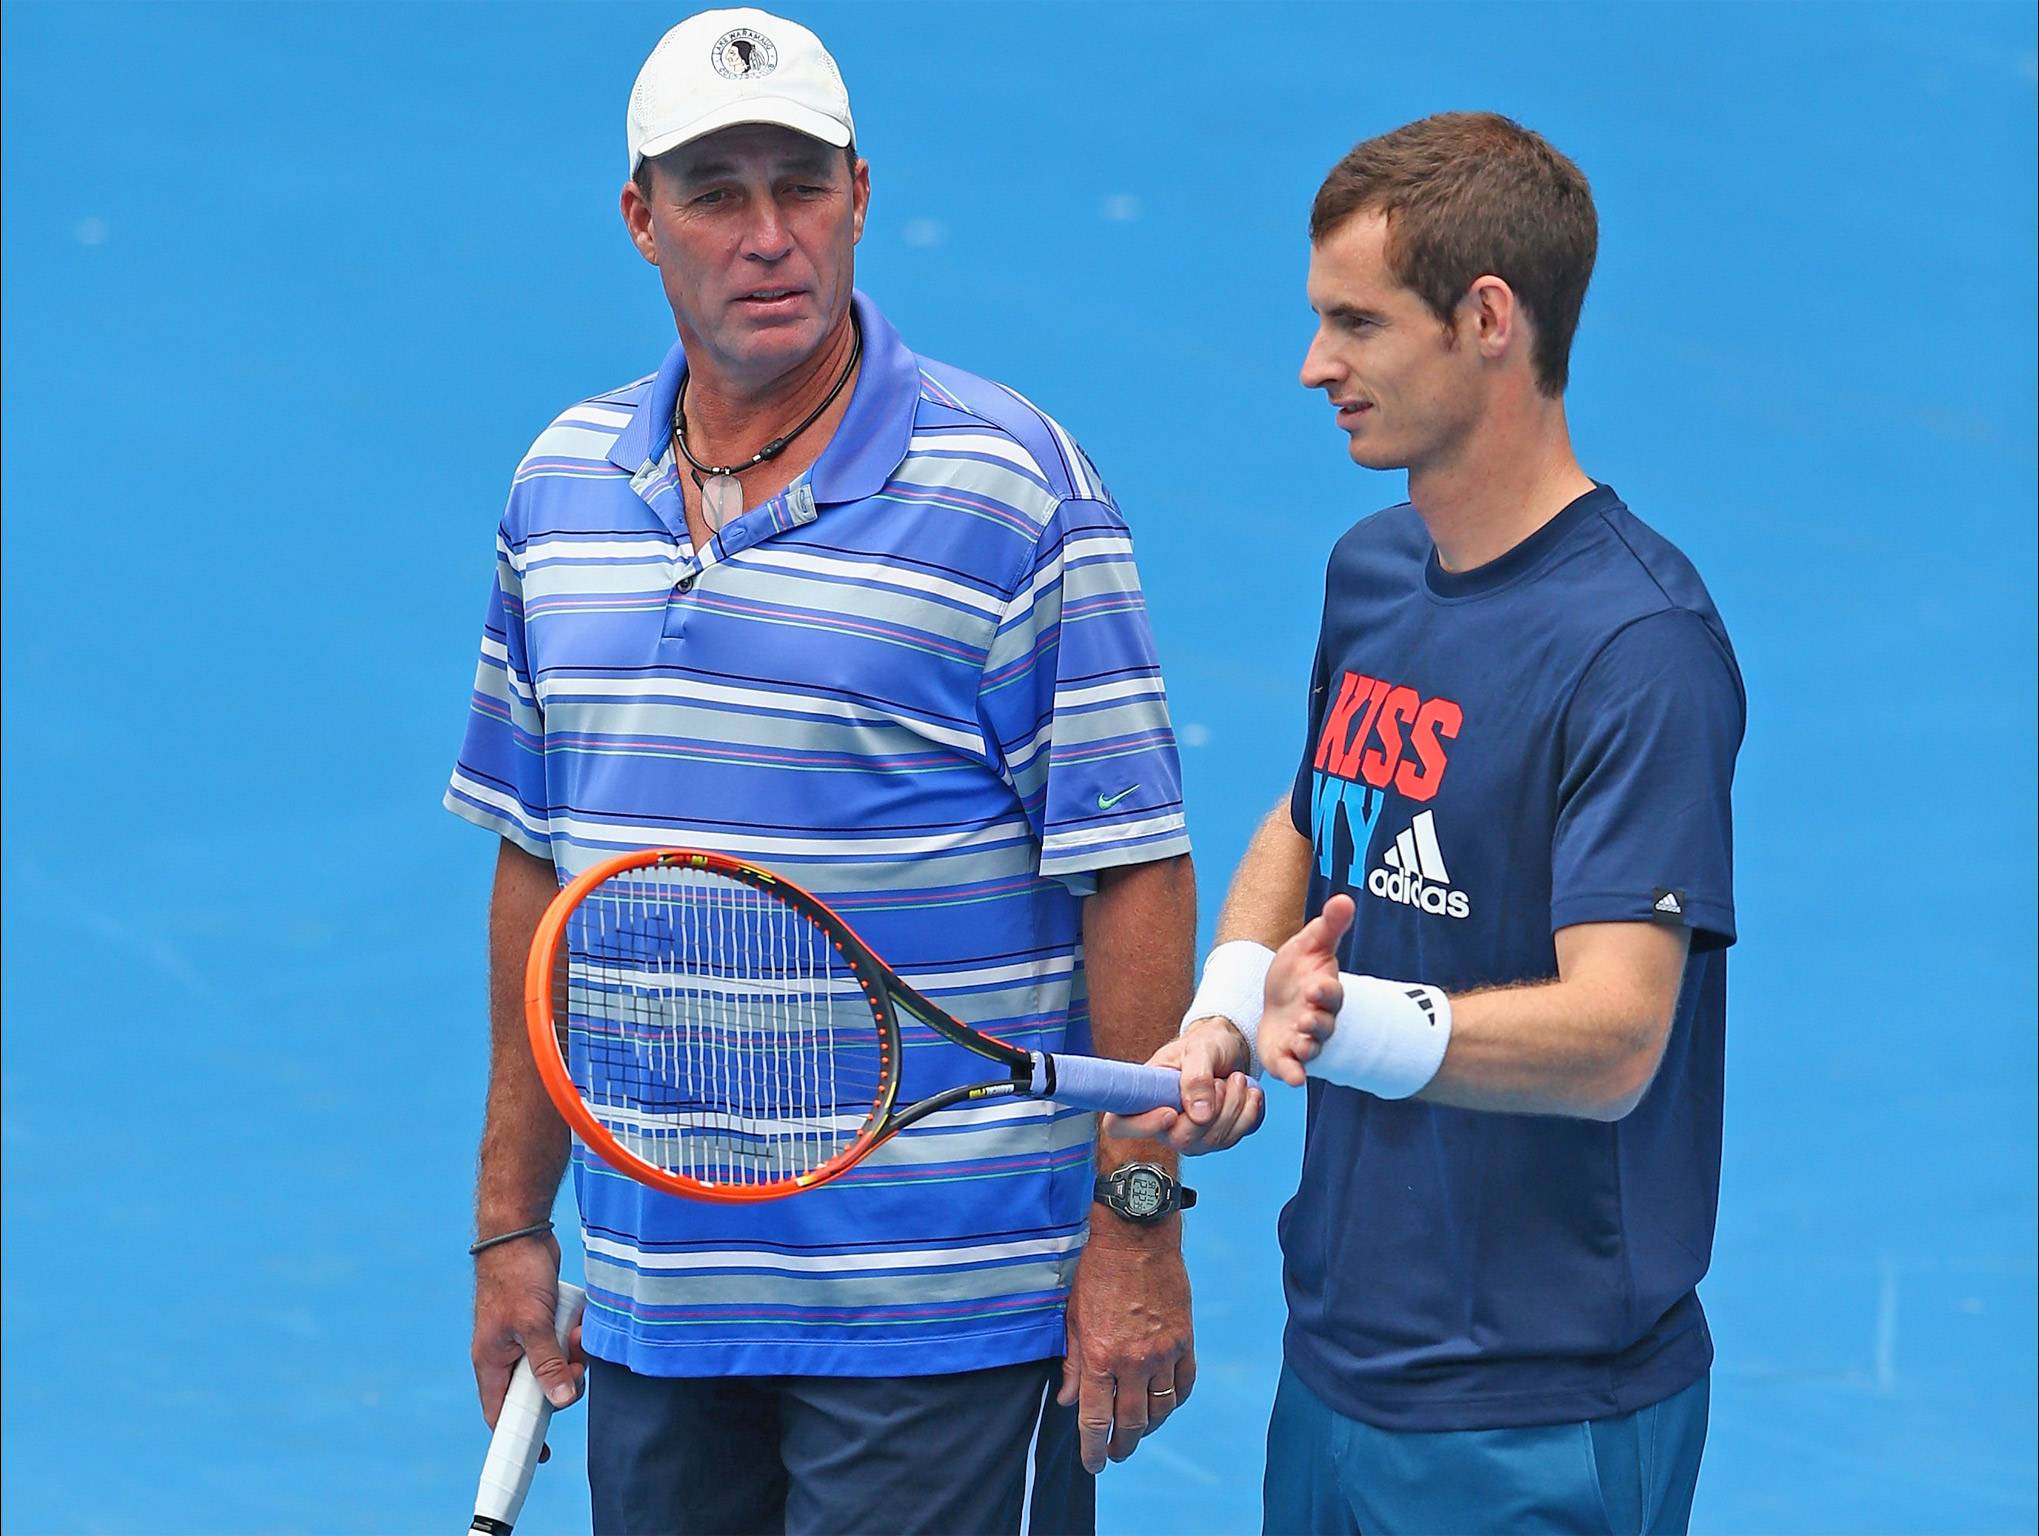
(520,1431)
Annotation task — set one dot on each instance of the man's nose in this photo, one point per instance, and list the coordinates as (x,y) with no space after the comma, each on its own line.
(1318,371)
(767,239)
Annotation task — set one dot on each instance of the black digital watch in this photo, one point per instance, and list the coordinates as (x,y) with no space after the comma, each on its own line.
(1143,1192)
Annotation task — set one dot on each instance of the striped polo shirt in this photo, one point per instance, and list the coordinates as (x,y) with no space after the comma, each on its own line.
(919,682)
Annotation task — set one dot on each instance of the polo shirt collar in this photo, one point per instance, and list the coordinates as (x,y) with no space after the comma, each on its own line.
(868,445)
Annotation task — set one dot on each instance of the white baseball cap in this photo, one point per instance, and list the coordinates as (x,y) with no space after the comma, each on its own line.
(720,68)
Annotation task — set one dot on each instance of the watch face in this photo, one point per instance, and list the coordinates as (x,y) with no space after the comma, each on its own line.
(1144,1192)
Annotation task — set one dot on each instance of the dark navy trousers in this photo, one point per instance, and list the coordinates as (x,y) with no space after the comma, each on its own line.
(975,1452)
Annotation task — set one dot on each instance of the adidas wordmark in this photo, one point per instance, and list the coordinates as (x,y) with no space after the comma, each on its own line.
(1412,872)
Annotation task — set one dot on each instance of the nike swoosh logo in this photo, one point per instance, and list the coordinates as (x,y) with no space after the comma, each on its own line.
(1106,803)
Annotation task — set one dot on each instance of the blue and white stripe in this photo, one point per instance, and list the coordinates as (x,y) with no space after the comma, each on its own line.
(919,682)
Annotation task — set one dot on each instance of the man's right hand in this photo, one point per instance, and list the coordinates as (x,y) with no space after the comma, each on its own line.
(1221,1105)
(1304,993)
(516,1293)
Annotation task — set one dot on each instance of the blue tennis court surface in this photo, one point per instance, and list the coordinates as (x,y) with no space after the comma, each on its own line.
(288,289)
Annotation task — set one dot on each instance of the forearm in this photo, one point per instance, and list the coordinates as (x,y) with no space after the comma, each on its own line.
(1139,942)
(1130,1360)
(1558,1048)
(1586,1044)
(1265,903)
(524,1142)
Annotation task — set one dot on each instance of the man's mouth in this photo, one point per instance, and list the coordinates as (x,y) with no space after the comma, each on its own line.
(769,298)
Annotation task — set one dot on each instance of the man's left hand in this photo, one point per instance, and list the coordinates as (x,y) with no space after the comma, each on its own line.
(1131,1360)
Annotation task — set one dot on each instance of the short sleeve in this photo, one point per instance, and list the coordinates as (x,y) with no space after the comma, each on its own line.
(499,780)
(1073,707)
(1644,823)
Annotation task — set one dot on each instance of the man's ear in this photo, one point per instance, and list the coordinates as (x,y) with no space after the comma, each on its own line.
(1496,315)
(637,220)
(860,199)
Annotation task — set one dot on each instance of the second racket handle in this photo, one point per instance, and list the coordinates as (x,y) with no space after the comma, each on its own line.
(1091,1082)
(520,1432)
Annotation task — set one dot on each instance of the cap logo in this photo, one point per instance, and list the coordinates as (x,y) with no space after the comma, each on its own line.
(744,55)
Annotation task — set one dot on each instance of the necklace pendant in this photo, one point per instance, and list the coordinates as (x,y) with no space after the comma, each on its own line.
(721,501)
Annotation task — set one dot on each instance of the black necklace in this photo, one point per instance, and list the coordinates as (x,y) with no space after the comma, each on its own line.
(721,496)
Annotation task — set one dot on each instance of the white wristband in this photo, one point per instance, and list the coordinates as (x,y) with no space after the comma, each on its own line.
(1390,1037)
(1234,987)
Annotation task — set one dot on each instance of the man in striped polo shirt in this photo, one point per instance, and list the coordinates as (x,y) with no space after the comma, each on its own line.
(804,597)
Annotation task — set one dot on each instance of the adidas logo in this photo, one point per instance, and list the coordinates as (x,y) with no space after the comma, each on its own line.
(1412,872)
(1668,904)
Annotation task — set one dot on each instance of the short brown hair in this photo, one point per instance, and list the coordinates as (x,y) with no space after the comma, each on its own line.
(1466,194)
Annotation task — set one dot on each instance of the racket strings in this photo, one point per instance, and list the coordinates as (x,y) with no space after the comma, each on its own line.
(713,1029)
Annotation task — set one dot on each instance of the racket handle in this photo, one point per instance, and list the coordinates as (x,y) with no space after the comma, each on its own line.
(520,1431)
(1121,1087)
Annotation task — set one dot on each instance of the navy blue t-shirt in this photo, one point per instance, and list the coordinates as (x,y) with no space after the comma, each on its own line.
(1494,755)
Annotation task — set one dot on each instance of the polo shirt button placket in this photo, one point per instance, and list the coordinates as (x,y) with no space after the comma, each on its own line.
(678,607)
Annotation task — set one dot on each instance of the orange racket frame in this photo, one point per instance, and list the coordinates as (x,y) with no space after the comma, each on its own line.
(548,955)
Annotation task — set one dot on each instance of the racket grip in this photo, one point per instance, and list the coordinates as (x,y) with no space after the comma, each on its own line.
(1121,1087)
(520,1431)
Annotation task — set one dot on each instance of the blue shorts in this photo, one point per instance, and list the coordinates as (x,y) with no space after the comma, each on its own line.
(1630,1475)
(974,1452)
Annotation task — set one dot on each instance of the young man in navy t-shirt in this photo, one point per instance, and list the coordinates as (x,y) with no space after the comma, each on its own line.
(1510,836)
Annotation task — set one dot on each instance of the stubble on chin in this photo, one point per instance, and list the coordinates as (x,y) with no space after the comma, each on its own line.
(1361,456)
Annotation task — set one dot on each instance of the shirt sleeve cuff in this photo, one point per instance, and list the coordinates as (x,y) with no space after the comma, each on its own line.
(1711,920)
(475,803)
(1068,856)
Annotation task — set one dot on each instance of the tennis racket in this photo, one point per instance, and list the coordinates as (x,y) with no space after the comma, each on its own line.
(714,1031)
(520,1432)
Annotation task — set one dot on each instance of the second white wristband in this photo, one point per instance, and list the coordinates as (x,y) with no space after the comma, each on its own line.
(1390,1037)
(1233,986)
